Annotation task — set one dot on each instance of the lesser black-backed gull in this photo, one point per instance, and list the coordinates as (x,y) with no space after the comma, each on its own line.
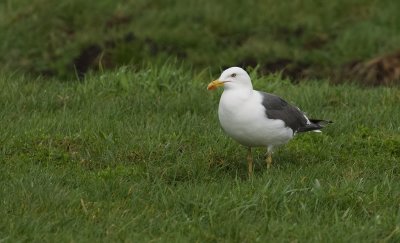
(258,119)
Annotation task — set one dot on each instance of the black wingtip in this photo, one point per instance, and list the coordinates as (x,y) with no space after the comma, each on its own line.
(320,122)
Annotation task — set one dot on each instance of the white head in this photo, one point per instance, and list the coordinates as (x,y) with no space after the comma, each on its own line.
(232,78)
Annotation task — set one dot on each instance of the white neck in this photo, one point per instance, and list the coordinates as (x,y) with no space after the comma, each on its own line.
(239,94)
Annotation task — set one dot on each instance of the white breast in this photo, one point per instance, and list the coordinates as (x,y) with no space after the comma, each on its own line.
(242,116)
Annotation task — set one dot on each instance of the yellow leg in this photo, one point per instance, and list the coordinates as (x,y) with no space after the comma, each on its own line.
(269,160)
(250,162)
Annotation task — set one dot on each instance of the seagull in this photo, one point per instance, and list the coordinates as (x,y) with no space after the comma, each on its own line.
(258,119)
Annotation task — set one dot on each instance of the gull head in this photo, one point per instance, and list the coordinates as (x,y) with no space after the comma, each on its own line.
(232,78)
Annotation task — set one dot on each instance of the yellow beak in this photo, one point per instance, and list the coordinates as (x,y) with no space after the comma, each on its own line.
(215,84)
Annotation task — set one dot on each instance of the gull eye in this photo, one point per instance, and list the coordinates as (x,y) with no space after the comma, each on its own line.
(233,75)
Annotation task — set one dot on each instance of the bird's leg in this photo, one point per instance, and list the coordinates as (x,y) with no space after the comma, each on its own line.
(250,161)
(269,156)
(269,160)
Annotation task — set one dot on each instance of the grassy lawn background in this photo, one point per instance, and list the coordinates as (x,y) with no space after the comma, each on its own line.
(306,38)
(139,156)
(135,153)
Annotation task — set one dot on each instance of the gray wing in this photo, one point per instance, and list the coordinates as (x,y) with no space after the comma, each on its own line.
(277,108)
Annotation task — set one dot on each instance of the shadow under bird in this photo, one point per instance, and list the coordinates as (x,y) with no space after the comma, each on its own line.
(258,119)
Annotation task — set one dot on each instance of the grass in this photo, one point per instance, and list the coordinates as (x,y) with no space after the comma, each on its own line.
(57,38)
(139,156)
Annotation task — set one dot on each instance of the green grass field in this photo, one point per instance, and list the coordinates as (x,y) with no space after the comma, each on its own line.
(108,134)
(139,156)
(307,38)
